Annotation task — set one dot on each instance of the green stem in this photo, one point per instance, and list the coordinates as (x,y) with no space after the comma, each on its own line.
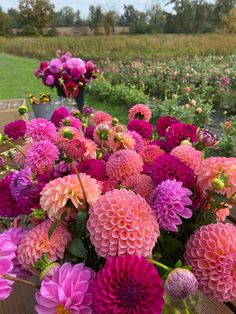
(159,264)
(86,124)
(81,184)
(14,146)
(25,282)
(203,153)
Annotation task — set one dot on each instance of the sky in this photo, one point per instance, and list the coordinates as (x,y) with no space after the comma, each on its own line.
(83,5)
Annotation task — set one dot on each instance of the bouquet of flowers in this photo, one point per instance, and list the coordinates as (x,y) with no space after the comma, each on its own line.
(44,98)
(116,218)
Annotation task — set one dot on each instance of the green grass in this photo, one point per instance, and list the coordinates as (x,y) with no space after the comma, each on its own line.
(17,80)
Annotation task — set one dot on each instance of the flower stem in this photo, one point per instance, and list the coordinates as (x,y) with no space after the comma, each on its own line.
(81,184)
(25,282)
(14,146)
(159,264)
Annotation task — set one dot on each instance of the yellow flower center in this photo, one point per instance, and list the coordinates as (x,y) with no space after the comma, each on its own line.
(62,310)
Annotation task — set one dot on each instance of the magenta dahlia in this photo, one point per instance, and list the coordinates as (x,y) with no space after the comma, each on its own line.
(128,284)
(41,130)
(15,129)
(94,168)
(179,132)
(164,123)
(143,128)
(139,143)
(170,167)
(72,121)
(59,114)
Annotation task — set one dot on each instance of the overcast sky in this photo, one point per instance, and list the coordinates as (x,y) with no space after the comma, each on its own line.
(83,5)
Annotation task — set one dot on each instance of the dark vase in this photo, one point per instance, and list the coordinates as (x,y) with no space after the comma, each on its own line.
(79,99)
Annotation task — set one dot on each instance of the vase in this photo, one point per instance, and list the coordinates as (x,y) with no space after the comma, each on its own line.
(79,99)
(43,110)
(190,305)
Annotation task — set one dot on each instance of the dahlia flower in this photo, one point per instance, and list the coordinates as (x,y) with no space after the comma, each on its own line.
(123,164)
(170,201)
(55,66)
(128,284)
(68,290)
(170,167)
(120,140)
(101,116)
(223,213)
(188,155)
(179,132)
(206,138)
(35,243)
(138,140)
(163,144)
(150,152)
(41,156)
(41,130)
(122,222)
(181,283)
(164,123)
(15,129)
(89,132)
(58,192)
(58,115)
(211,251)
(143,128)
(140,184)
(91,150)
(141,112)
(75,148)
(72,121)
(65,134)
(19,157)
(214,168)
(94,168)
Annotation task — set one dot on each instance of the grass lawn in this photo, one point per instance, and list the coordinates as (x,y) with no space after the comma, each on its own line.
(17,80)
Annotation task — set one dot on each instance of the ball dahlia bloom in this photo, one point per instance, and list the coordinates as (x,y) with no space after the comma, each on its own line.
(35,243)
(16,129)
(179,132)
(58,192)
(143,128)
(75,148)
(101,116)
(170,201)
(138,140)
(128,284)
(150,152)
(94,168)
(41,156)
(164,123)
(123,164)
(59,114)
(120,140)
(181,283)
(122,222)
(211,251)
(140,184)
(41,130)
(68,290)
(213,168)
(89,132)
(140,111)
(188,155)
(65,134)
(170,167)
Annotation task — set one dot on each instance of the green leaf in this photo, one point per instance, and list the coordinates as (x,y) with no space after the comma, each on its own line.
(178,264)
(81,219)
(77,248)
(52,229)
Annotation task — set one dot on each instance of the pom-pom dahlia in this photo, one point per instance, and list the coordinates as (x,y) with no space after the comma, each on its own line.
(128,284)
(89,132)
(179,132)
(140,111)
(68,290)
(170,167)
(214,168)
(138,140)
(35,243)
(75,148)
(170,201)
(211,251)
(58,115)
(164,123)
(94,168)
(140,184)
(120,140)
(41,156)
(188,155)
(123,164)
(58,192)
(122,222)
(41,129)
(143,128)
(101,116)
(15,129)
(150,152)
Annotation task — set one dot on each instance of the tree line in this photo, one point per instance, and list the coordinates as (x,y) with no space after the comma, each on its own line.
(33,17)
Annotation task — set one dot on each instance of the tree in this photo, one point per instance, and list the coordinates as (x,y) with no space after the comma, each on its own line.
(35,16)
(222,7)
(129,17)
(229,21)
(5,24)
(156,19)
(14,15)
(67,16)
(110,21)
(95,19)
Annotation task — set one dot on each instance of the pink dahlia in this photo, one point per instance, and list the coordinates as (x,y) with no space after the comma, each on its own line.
(41,156)
(188,155)
(72,121)
(59,114)
(19,157)
(143,128)
(140,111)
(58,192)
(68,290)
(179,132)
(140,184)
(89,132)
(65,134)
(91,150)
(101,116)
(122,222)
(41,130)
(223,213)
(75,148)
(170,167)
(123,164)
(150,152)
(94,168)
(214,168)
(128,284)
(211,251)
(15,129)
(170,201)
(164,123)
(120,140)
(35,243)
(138,140)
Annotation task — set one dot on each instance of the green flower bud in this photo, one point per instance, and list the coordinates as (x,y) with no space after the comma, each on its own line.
(22,110)
(217,184)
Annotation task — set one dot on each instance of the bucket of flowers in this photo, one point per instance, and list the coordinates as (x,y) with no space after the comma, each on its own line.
(69,75)
(114,219)
(42,106)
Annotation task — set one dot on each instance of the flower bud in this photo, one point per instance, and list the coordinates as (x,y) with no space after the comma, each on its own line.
(22,110)
(115,121)
(193,102)
(206,138)
(48,271)
(199,110)
(187,106)
(186,142)
(217,184)
(87,110)
(187,90)
(66,133)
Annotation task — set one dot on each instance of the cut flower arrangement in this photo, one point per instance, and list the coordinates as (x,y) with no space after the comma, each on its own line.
(115,218)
